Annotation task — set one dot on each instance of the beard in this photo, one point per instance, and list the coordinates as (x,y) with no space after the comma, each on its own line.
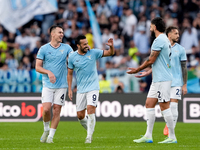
(175,40)
(152,37)
(84,50)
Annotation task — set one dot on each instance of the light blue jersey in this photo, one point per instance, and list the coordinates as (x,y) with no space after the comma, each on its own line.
(85,68)
(55,60)
(161,68)
(178,55)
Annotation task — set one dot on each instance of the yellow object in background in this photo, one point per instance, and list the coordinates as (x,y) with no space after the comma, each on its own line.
(104,86)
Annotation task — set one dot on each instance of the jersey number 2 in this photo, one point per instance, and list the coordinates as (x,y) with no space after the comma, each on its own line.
(177,92)
(159,94)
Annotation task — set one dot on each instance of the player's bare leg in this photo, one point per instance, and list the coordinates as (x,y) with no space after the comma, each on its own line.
(82,118)
(54,122)
(46,120)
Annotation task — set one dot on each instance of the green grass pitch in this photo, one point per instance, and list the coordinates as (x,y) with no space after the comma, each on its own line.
(107,135)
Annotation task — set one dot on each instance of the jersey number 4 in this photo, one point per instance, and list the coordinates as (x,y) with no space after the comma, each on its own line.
(62,98)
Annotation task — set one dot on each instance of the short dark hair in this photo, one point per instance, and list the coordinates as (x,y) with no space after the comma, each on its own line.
(159,23)
(80,37)
(170,28)
(53,27)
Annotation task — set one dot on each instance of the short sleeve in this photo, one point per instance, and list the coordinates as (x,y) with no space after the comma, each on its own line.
(70,50)
(41,54)
(70,62)
(183,56)
(157,45)
(98,53)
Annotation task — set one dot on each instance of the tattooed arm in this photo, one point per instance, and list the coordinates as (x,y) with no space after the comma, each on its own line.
(152,58)
(184,75)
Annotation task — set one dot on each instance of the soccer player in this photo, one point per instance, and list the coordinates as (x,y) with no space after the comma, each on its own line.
(179,72)
(83,62)
(161,84)
(52,63)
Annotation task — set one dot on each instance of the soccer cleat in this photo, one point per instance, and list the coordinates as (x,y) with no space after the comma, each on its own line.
(168,140)
(143,140)
(166,131)
(49,140)
(44,136)
(88,140)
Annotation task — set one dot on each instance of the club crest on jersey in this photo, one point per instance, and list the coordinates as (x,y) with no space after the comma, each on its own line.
(89,56)
(168,66)
(61,51)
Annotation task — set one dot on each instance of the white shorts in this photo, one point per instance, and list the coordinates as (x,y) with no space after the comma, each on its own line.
(175,92)
(84,99)
(54,96)
(160,90)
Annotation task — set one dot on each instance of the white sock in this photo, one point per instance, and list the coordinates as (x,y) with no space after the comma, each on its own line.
(52,132)
(174,109)
(46,125)
(150,114)
(167,114)
(83,122)
(90,124)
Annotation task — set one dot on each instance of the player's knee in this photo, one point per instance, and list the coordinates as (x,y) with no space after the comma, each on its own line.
(46,110)
(56,112)
(80,116)
(147,105)
(91,109)
(164,107)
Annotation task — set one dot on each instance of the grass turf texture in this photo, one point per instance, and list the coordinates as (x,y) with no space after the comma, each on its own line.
(107,135)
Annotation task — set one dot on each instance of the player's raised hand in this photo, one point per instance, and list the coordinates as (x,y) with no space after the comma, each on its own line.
(110,42)
(132,70)
(70,94)
(52,77)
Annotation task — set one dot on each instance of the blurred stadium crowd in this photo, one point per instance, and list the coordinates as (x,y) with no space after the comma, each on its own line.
(126,21)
